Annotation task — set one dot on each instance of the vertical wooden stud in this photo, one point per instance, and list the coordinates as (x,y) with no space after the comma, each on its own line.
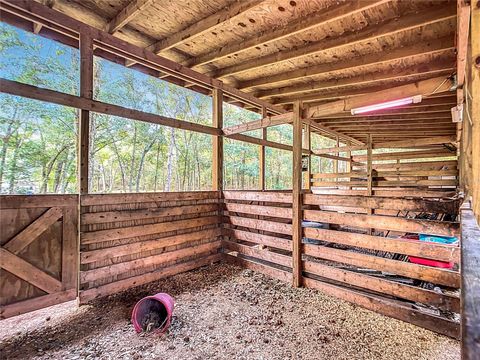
(86,91)
(348,168)
(369,173)
(217,165)
(306,145)
(335,162)
(297,196)
(262,152)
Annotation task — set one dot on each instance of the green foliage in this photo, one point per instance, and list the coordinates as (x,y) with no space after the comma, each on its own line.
(39,140)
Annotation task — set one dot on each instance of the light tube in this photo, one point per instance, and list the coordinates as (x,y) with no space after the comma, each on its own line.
(387,105)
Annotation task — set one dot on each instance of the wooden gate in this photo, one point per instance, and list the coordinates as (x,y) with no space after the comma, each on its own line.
(39,252)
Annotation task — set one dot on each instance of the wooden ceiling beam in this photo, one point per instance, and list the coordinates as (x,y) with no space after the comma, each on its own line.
(387,28)
(409,143)
(372,117)
(423,87)
(127,14)
(400,122)
(463,25)
(406,111)
(201,26)
(326,129)
(259,124)
(435,46)
(303,24)
(339,94)
(440,66)
(426,103)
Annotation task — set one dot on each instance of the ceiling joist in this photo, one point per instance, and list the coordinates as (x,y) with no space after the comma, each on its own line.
(204,25)
(440,66)
(389,27)
(301,25)
(435,46)
(424,87)
(127,14)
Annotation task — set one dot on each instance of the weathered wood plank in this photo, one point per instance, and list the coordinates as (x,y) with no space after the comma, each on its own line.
(129,215)
(94,237)
(261,239)
(415,271)
(273,196)
(157,260)
(279,274)
(37,303)
(259,210)
(34,230)
(394,245)
(445,302)
(418,226)
(263,254)
(112,199)
(265,225)
(470,284)
(37,201)
(124,284)
(26,271)
(141,246)
(383,202)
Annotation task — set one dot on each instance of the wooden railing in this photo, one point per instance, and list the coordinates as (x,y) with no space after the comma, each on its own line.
(416,173)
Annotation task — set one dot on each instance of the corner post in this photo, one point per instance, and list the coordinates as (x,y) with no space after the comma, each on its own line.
(297,196)
(217,165)
(86,91)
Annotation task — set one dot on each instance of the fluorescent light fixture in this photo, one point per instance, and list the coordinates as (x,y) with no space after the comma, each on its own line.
(386,105)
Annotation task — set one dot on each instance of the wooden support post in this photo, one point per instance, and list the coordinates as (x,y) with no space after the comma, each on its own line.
(262,152)
(475,107)
(349,164)
(369,173)
(86,91)
(307,145)
(217,164)
(297,196)
(335,162)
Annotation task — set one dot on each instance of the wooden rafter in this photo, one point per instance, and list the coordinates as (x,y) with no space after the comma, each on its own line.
(127,14)
(301,25)
(204,25)
(424,87)
(342,93)
(389,27)
(432,69)
(440,45)
(463,25)
(258,124)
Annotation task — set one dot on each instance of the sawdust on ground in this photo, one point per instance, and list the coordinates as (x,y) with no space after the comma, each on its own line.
(221,312)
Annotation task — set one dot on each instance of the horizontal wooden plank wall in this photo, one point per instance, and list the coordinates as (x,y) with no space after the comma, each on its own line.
(412,172)
(131,239)
(343,260)
(39,252)
(258,231)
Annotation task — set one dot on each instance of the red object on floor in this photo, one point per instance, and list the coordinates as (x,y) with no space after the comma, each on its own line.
(161,302)
(427,262)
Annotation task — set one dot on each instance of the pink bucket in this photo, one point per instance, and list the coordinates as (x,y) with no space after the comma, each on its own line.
(161,305)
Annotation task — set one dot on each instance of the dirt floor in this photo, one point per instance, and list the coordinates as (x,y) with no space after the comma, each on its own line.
(222,312)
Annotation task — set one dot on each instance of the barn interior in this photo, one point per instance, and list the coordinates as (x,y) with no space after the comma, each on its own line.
(384,217)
